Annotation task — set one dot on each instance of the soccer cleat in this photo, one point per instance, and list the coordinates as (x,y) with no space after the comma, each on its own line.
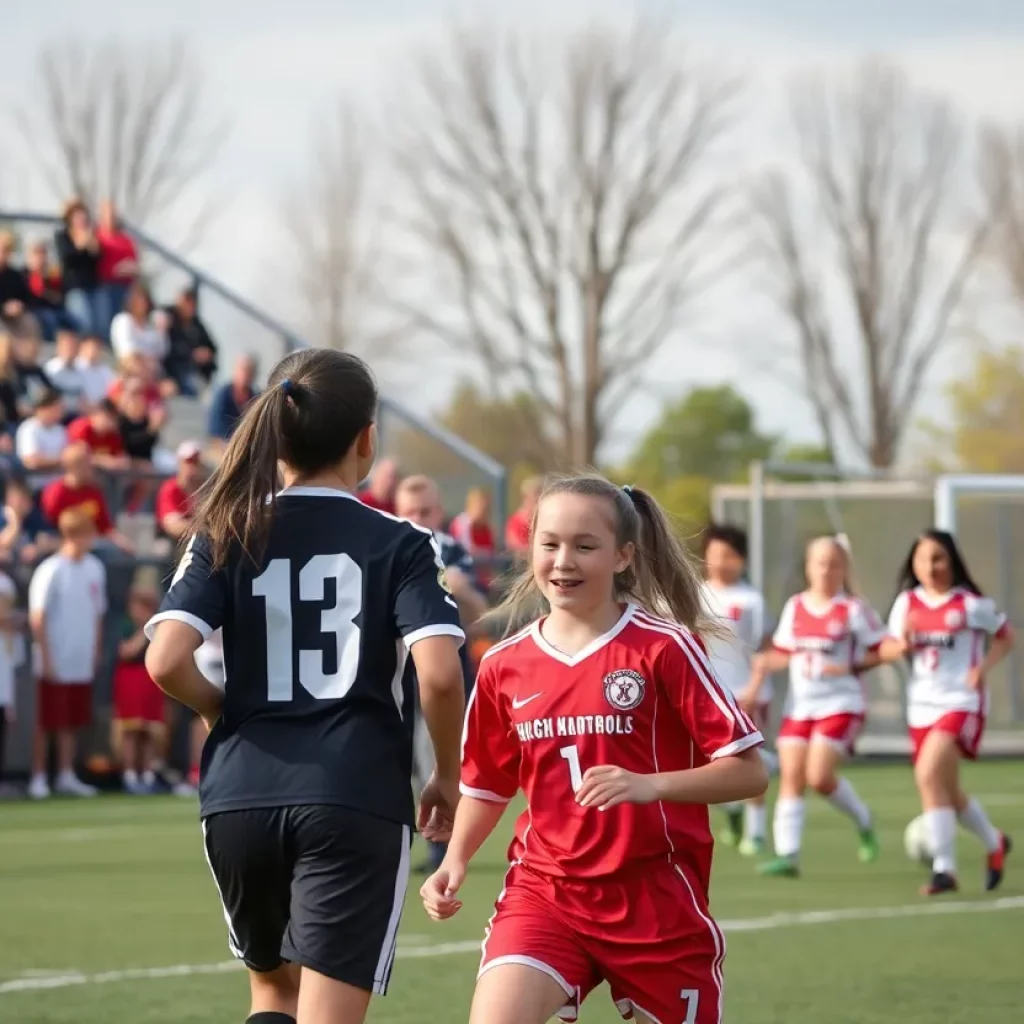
(779,867)
(997,862)
(751,847)
(733,831)
(941,882)
(868,849)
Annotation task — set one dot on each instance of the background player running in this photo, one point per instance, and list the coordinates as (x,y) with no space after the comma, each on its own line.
(941,621)
(606,713)
(826,637)
(741,611)
(305,794)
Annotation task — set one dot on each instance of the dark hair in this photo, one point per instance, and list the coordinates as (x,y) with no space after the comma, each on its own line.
(961,574)
(662,578)
(733,536)
(107,405)
(137,289)
(315,405)
(46,398)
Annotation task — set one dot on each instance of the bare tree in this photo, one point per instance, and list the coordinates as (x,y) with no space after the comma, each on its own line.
(1003,180)
(332,226)
(564,207)
(872,248)
(128,123)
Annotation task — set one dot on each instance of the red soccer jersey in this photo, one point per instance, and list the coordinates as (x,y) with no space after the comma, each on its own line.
(642,697)
(99,444)
(58,496)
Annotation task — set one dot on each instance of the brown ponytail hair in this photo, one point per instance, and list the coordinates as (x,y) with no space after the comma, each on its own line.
(316,403)
(663,577)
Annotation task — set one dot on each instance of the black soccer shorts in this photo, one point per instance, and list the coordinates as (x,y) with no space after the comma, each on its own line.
(317,885)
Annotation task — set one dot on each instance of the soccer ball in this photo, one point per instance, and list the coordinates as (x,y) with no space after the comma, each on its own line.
(915,841)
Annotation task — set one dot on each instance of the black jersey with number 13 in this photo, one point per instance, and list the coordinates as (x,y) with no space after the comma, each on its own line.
(315,643)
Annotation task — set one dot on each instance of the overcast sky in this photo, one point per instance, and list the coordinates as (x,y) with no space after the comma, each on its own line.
(273,69)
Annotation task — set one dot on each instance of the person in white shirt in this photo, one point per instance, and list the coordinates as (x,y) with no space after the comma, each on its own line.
(65,375)
(953,637)
(740,610)
(96,375)
(138,330)
(9,624)
(41,439)
(67,602)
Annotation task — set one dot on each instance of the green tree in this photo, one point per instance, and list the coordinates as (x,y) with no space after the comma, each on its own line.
(711,432)
(984,429)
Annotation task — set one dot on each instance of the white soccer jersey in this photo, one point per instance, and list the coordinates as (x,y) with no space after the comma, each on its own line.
(836,636)
(8,647)
(948,636)
(741,609)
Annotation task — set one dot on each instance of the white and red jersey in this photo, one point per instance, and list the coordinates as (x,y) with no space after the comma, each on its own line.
(948,635)
(836,636)
(642,697)
(741,610)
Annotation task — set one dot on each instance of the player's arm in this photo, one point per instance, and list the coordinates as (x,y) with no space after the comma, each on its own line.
(896,643)
(727,738)
(192,609)
(868,636)
(774,658)
(427,618)
(38,595)
(982,614)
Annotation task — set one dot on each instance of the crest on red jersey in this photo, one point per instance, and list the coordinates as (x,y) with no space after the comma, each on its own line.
(954,619)
(624,689)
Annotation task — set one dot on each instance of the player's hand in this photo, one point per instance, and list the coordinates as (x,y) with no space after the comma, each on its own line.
(831,671)
(439,891)
(608,785)
(976,677)
(438,801)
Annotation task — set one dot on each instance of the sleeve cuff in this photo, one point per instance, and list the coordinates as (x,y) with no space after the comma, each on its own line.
(754,739)
(483,794)
(201,627)
(441,629)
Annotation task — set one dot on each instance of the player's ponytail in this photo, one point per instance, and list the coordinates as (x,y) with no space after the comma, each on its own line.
(662,578)
(316,404)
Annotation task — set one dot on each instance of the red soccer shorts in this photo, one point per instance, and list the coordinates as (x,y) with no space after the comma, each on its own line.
(650,937)
(967,726)
(63,706)
(138,701)
(839,730)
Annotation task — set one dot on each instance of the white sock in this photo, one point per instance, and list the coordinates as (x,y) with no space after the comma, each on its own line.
(941,825)
(67,776)
(130,776)
(148,777)
(788,826)
(755,821)
(40,777)
(844,798)
(974,819)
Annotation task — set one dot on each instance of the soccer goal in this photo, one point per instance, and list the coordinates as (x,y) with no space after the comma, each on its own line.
(880,516)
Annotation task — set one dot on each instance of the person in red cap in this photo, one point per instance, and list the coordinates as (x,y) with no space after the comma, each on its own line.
(174,499)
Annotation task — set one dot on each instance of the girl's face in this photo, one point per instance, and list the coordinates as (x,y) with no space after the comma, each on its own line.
(931,566)
(826,567)
(724,564)
(575,555)
(133,398)
(79,220)
(139,305)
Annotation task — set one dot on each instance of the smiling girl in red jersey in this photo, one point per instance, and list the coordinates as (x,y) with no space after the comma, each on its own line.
(607,714)
(943,624)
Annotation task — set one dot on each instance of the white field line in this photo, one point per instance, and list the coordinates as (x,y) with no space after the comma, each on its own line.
(33,982)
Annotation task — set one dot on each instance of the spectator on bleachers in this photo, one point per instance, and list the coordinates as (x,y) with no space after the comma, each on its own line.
(41,439)
(47,287)
(67,601)
(472,529)
(32,379)
(380,493)
(25,535)
(192,351)
(140,421)
(117,269)
(15,297)
(138,329)
(97,373)
(175,498)
(140,367)
(517,529)
(78,251)
(10,414)
(64,374)
(77,489)
(230,399)
(9,625)
(100,431)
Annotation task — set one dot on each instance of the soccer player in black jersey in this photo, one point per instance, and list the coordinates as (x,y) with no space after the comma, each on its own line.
(305,798)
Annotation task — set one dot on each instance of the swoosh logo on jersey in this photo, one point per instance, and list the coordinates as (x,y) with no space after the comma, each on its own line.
(517,704)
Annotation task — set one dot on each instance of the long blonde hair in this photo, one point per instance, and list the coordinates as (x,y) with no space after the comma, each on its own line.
(662,577)
(840,543)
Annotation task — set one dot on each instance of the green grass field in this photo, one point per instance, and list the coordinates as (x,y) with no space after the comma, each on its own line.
(108,913)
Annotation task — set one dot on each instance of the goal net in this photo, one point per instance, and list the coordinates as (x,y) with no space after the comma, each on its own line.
(880,518)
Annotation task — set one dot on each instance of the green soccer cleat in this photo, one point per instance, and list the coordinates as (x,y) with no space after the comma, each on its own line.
(751,847)
(868,848)
(733,831)
(779,867)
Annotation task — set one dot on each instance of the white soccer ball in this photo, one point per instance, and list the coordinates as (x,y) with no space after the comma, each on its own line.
(915,841)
